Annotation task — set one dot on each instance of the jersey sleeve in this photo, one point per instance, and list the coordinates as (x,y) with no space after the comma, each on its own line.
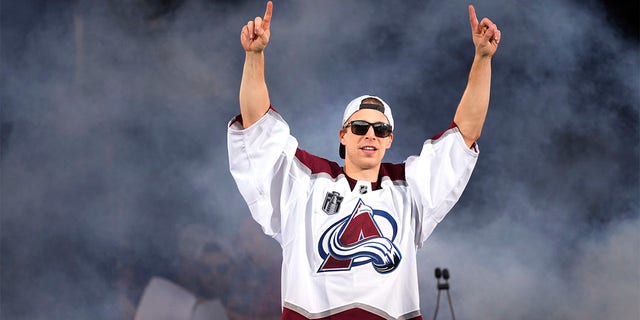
(437,178)
(259,159)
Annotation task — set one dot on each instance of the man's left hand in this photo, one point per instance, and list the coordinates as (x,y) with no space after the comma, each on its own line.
(486,35)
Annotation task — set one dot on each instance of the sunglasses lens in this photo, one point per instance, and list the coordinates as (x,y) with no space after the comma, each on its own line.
(381,130)
(359,127)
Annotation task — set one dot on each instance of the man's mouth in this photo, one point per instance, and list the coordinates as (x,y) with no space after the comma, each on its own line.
(368,149)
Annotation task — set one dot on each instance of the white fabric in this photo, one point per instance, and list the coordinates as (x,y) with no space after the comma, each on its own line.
(164,300)
(286,193)
(209,310)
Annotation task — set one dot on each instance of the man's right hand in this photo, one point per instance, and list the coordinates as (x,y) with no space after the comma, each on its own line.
(254,36)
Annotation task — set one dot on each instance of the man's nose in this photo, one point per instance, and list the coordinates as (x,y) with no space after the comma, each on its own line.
(370,133)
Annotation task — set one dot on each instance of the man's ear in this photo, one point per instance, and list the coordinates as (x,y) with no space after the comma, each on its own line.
(341,134)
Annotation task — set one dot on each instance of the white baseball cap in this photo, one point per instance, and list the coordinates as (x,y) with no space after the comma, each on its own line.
(356,104)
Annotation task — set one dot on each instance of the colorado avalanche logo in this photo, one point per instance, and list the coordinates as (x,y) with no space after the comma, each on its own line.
(366,236)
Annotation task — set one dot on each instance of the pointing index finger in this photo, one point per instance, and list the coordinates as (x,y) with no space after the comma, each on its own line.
(266,21)
(473,20)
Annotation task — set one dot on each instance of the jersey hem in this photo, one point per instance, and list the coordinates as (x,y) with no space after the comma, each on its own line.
(349,311)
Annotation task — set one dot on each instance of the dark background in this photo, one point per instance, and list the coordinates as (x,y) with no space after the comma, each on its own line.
(113,140)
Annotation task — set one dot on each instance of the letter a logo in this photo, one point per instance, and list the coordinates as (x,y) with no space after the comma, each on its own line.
(357,240)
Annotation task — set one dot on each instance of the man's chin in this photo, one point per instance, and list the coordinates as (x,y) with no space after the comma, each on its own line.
(366,164)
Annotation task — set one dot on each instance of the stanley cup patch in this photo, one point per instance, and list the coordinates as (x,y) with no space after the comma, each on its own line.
(332,202)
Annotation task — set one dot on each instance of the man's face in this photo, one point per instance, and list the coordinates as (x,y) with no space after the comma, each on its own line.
(213,274)
(366,151)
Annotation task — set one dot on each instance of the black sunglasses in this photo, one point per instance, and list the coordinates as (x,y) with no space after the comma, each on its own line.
(361,127)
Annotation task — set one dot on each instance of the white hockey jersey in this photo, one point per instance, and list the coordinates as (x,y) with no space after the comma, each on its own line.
(349,247)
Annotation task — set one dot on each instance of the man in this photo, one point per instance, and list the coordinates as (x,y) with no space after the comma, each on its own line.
(349,234)
(200,289)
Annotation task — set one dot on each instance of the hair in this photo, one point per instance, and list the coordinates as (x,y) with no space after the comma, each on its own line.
(372,101)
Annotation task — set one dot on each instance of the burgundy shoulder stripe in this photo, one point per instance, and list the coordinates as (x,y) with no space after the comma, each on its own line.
(238,118)
(318,165)
(395,172)
(437,136)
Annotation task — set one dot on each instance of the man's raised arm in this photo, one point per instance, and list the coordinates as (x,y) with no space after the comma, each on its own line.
(474,104)
(254,96)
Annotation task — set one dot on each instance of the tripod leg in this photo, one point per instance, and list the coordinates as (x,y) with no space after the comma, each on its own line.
(435,314)
(453,316)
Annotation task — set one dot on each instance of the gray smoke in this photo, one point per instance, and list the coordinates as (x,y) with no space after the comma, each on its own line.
(114,138)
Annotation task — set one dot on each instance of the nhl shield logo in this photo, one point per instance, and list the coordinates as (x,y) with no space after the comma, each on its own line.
(332,202)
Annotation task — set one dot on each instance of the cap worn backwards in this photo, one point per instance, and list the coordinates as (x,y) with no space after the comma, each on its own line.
(356,104)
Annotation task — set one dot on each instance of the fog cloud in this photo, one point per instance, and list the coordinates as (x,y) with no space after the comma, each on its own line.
(114,137)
